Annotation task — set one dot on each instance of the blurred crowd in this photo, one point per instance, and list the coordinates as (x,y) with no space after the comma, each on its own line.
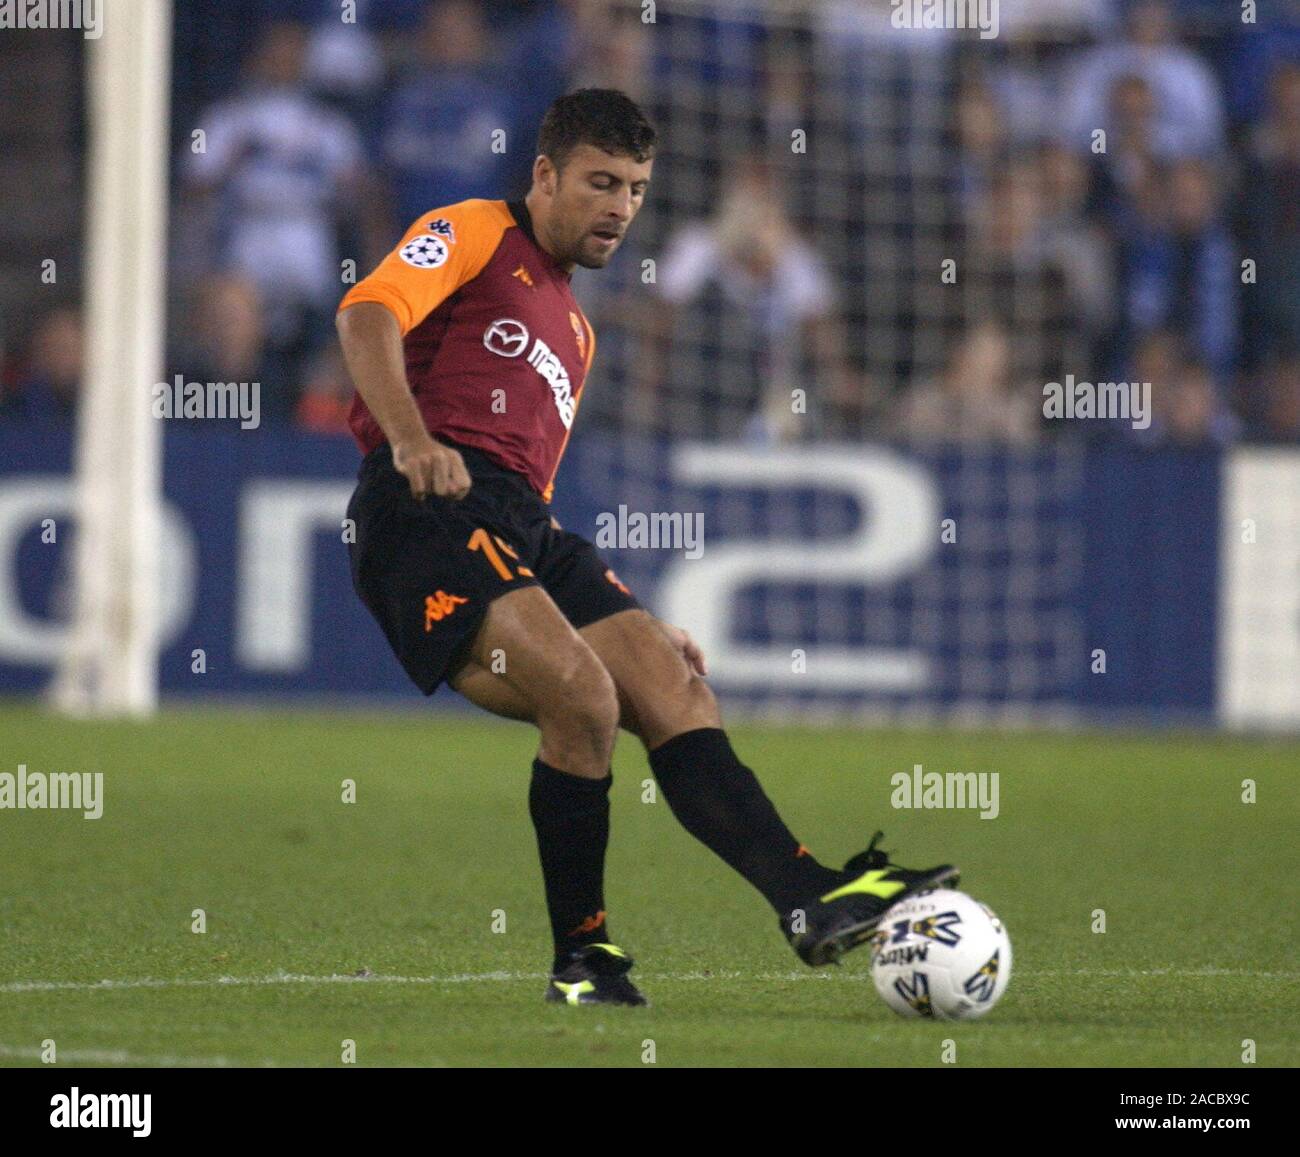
(1108,190)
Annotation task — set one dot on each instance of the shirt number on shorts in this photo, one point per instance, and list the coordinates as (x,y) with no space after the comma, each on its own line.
(488,544)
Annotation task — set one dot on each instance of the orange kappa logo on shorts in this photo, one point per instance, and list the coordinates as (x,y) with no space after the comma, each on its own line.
(438,606)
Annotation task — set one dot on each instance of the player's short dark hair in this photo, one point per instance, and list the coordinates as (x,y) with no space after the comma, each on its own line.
(603,117)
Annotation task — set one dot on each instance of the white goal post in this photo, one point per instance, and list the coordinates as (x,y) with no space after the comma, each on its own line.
(110,666)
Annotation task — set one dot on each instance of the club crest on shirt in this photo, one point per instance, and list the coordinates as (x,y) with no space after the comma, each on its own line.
(425,251)
(579,333)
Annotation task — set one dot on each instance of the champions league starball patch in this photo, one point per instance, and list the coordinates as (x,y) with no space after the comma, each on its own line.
(425,251)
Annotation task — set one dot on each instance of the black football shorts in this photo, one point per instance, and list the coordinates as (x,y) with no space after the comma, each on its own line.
(427,569)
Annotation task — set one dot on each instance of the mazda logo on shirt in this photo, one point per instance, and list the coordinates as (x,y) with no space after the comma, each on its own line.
(506,337)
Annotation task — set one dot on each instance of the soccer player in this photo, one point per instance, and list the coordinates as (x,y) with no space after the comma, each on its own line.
(469,354)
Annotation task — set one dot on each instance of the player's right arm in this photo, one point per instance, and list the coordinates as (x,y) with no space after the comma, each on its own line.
(439,253)
(372,347)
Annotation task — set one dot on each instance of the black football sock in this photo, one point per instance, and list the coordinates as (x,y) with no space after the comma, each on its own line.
(571,817)
(719,801)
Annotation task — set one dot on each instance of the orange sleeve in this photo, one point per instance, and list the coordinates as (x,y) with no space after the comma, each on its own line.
(438,254)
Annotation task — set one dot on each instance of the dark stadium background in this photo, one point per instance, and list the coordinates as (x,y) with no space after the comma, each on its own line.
(923,153)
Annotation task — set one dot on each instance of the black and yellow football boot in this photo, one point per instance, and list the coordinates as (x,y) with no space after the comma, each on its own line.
(595,974)
(828,926)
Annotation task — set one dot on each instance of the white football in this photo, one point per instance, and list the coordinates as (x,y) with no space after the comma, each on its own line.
(941,954)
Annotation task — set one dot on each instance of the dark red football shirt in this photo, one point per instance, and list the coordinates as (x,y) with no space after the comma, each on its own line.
(497,349)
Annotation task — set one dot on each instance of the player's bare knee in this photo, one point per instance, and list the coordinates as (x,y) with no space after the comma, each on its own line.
(701,705)
(581,712)
(595,701)
(688,708)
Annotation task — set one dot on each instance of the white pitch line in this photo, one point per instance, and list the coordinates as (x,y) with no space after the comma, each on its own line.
(1202,972)
(285,978)
(122,1057)
(852,976)
(255,981)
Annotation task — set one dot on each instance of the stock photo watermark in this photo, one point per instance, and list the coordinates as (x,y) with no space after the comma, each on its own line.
(219,401)
(658,530)
(961,15)
(953,790)
(1113,401)
(61,791)
(84,16)
(77,1110)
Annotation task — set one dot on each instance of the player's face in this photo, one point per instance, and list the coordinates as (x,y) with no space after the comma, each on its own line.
(596,197)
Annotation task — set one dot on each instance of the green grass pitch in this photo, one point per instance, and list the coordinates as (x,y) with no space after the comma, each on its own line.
(373,921)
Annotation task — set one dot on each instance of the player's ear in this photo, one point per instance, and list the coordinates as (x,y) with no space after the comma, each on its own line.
(544,174)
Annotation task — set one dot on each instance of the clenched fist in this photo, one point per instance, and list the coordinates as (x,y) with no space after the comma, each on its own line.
(431,468)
